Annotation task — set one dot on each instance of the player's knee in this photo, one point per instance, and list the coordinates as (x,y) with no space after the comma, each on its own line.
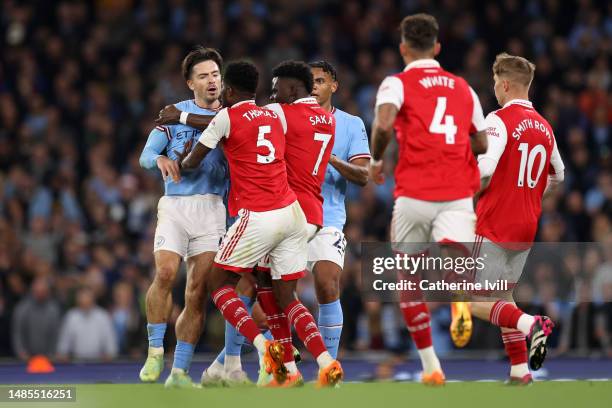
(328,291)
(165,276)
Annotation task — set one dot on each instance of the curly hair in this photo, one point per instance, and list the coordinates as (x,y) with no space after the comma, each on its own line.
(295,69)
(241,75)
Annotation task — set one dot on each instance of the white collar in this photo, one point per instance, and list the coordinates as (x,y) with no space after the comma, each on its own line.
(308,99)
(243,102)
(522,102)
(423,63)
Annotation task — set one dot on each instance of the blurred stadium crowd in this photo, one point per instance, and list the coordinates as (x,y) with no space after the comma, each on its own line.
(81,83)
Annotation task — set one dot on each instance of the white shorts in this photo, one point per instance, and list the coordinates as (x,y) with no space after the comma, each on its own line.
(328,244)
(280,233)
(189,225)
(418,222)
(498,263)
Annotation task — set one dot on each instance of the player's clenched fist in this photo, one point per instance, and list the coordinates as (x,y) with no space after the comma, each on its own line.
(376,171)
(170,115)
(169,167)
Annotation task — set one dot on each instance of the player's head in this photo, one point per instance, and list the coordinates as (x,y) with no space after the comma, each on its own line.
(202,71)
(239,82)
(512,76)
(291,80)
(325,81)
(419,37)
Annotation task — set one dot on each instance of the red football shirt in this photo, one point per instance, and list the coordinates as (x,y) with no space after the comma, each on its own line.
(310,132)
(437,113)
(254,145)
(522,153)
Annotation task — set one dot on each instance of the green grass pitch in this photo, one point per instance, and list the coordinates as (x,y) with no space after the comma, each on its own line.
(574,394)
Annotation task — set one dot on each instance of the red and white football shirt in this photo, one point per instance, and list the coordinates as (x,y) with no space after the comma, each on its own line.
(521,157)
(310,132)
(254,145)
(437,113)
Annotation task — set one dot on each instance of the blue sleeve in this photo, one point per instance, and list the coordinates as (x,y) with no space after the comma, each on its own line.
(359,146)
(156,143)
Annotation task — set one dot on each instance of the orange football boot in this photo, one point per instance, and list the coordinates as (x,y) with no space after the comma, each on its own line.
(330,375)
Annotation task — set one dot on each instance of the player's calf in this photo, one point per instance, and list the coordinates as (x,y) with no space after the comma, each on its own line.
(327,285)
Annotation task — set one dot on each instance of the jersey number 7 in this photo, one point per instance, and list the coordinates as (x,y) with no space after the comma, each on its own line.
(325,138)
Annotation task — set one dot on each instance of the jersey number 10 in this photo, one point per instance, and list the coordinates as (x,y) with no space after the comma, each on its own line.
(527,160)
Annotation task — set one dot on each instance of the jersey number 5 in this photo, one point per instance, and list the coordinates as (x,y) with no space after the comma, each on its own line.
(325,138)
(447,128)
(527,160)
(262,141)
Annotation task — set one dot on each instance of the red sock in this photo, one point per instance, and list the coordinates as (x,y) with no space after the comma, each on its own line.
(305,327)
(234,311)
(505,314)
(416,316)
(277,320)
(516,346)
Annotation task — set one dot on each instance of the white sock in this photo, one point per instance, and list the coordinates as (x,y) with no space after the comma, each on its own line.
(260,343)
(156,351)
(519,370)
(524,323)
(429,360)
(291,367)
(324,359)
(177,371)
(216,367)
(232,363)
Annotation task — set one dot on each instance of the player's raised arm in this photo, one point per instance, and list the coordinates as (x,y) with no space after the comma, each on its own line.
(478,140)
(218,129)
(357,168)
(152,157)
(171,115)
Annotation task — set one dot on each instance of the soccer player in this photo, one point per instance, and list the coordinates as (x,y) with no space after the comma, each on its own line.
(439,126)
(190,221)
(309,132)
(350,161)
(270,221)
(521,164)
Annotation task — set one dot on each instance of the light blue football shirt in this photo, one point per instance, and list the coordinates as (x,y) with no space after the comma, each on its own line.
(351,142)
(212,177)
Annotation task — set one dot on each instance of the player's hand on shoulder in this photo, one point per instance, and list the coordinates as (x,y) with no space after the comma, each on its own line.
(169,115)
(169,168)
(376,172)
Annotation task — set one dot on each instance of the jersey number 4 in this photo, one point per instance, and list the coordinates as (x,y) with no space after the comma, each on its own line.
(527,160)
(447,128)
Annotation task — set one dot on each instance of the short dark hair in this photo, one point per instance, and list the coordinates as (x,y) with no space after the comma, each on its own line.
(326,67)
(197,55)
(241,75)
(420,31)
(295,69)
